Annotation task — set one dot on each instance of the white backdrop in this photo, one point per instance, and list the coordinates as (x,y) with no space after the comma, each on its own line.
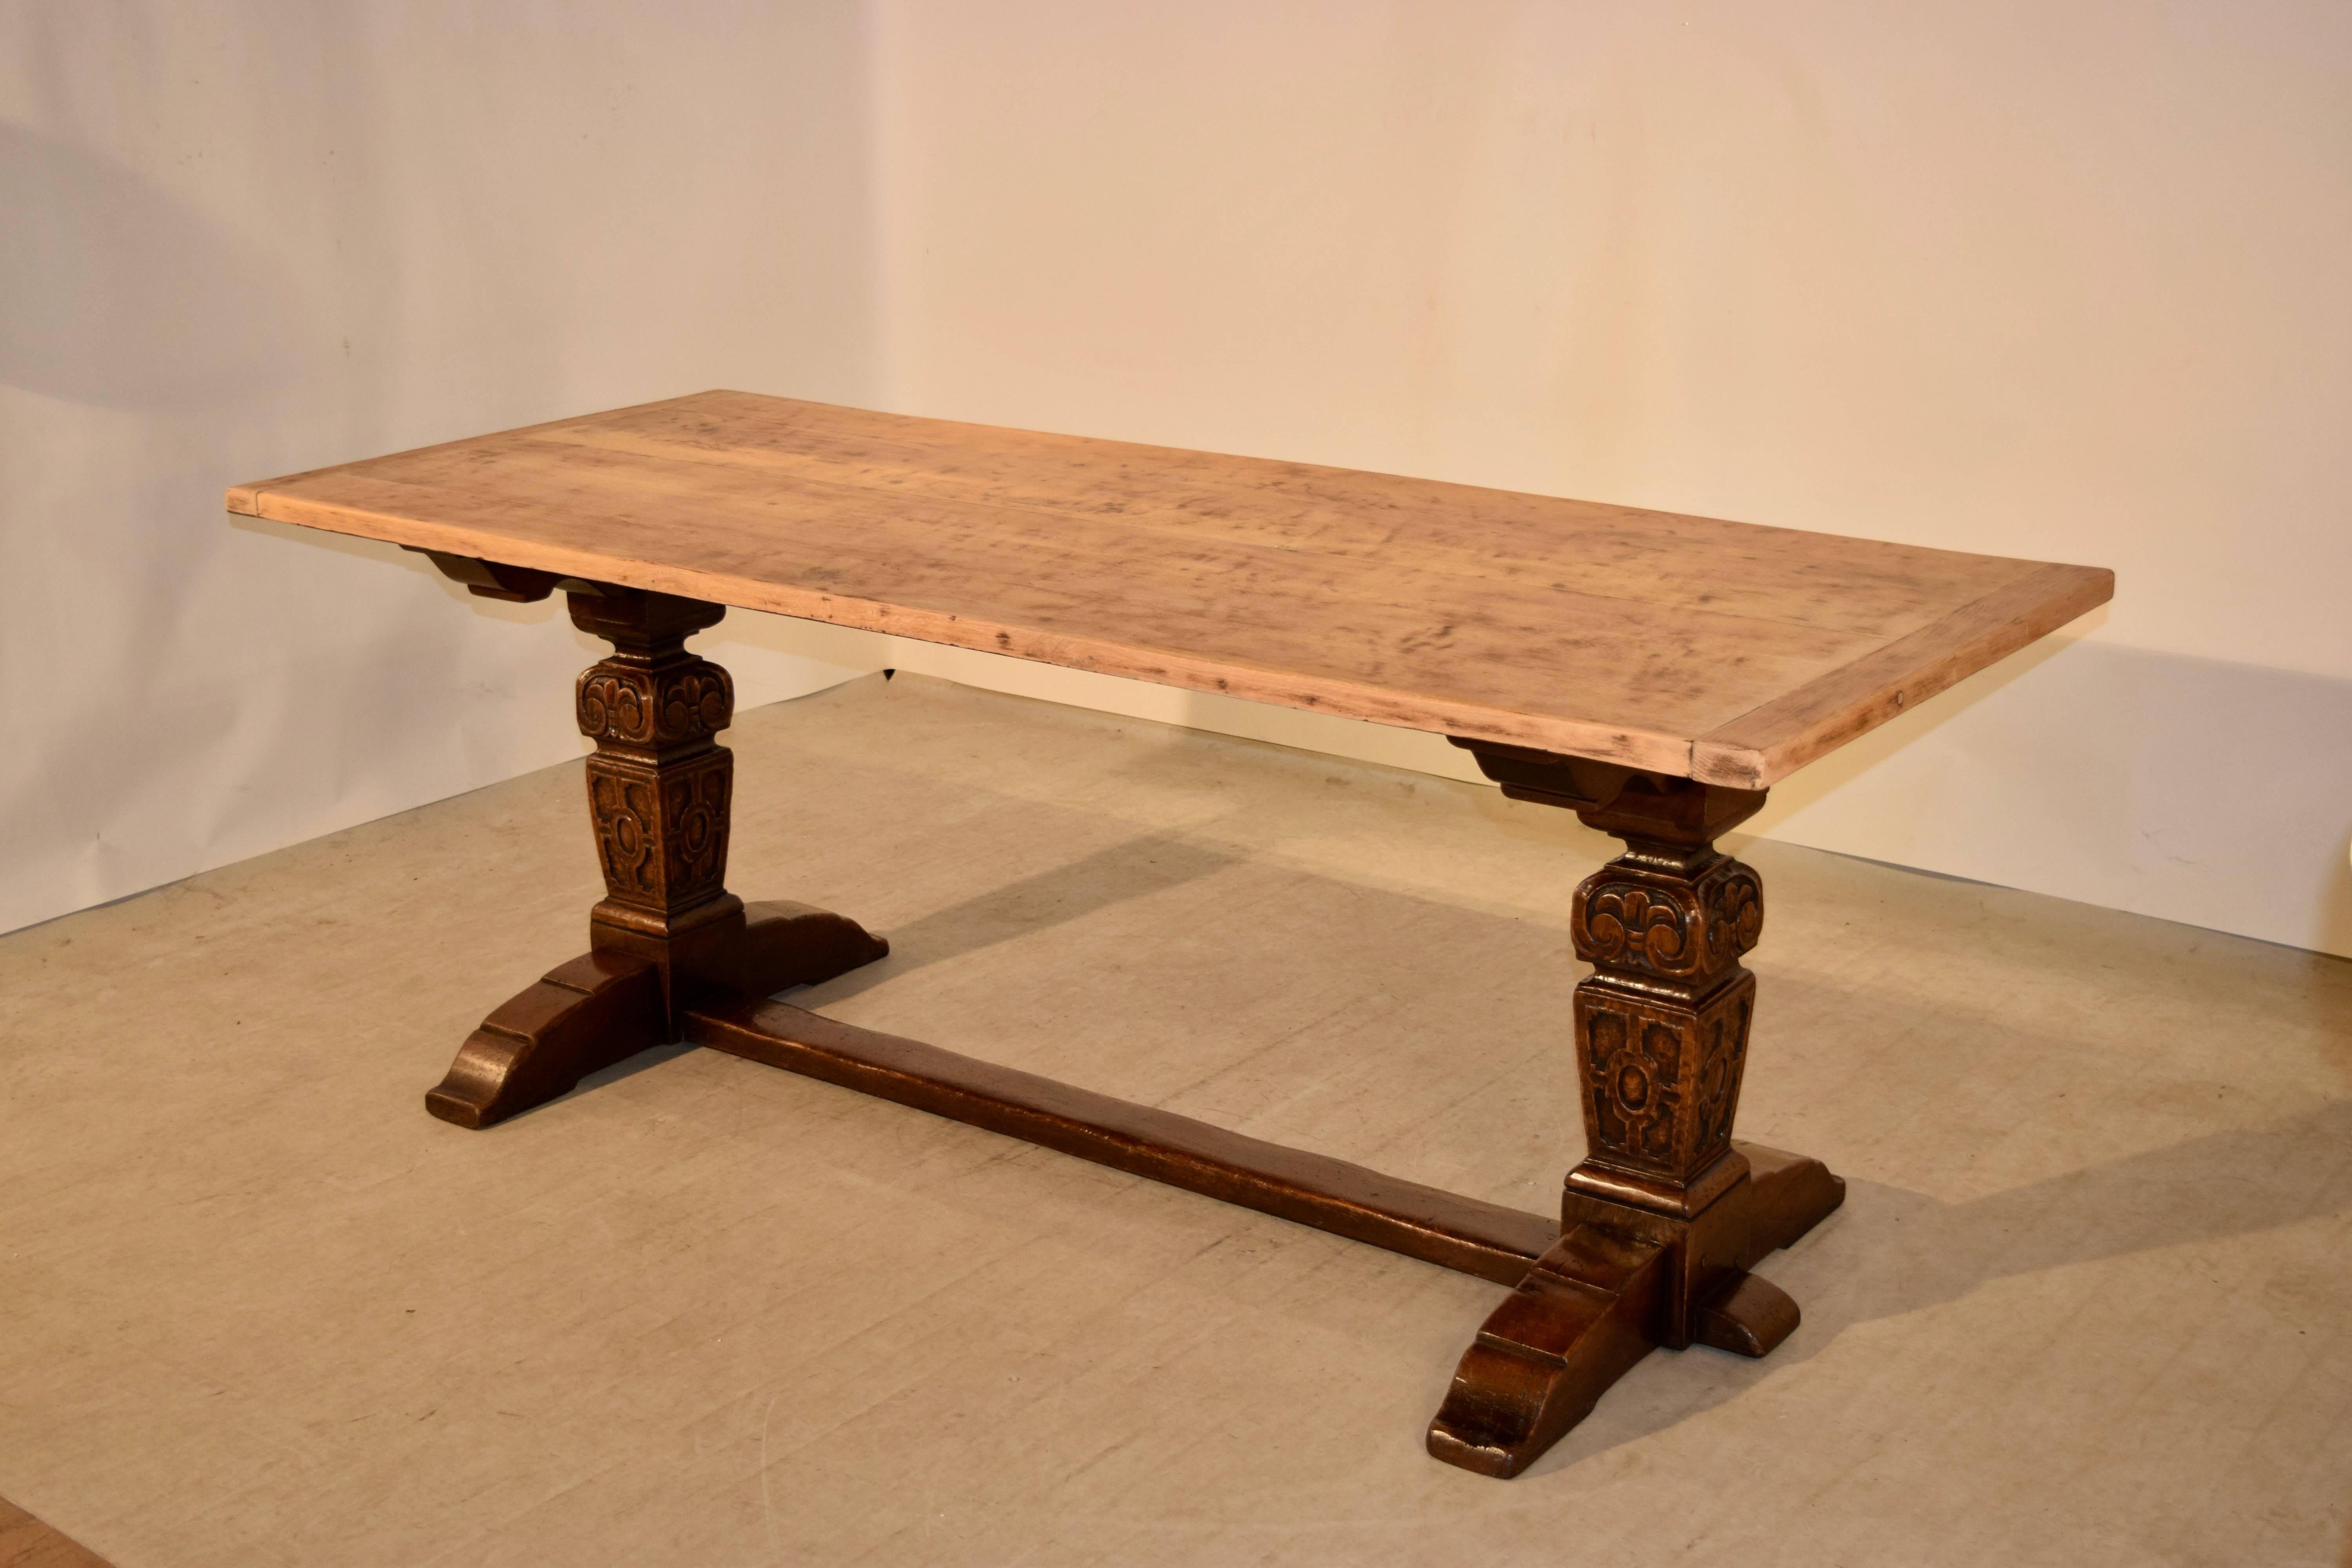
(2063,282)
(245,238)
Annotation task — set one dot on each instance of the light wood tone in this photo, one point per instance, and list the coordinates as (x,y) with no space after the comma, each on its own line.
(1723,651)
(1775,739)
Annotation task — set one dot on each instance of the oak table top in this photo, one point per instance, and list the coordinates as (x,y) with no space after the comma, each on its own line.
(1726,652)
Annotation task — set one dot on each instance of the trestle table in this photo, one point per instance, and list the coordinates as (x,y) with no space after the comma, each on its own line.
(1655,673)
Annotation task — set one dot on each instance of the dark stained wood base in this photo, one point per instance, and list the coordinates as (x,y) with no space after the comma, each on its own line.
(1590,1303)
(611,1003)
(1620,1282)
(1659,1226)
(667,935)
(1486,1239)
(26,1543)
(581,1017)
(1594,1293)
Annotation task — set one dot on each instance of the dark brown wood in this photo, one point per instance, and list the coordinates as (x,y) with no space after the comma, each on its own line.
(26,1543)
(1660,1223)
(1486,1239)
(1664,1215)
(660,787)
(1604,1297)
(667,931)
(598,1009)
(1748,1317)
(490,580)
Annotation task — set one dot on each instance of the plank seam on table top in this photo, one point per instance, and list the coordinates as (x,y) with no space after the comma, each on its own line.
(1145,521)
(1008,516)
(611,434)
(1647,748)
(708,447)
(1131,523)
(1869,655)
(1575,736)
(623,432)
(578,433)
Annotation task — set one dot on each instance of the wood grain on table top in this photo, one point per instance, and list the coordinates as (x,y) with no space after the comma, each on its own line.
(1726,651)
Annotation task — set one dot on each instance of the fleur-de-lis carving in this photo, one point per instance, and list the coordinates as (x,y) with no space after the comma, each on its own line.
(1629,923)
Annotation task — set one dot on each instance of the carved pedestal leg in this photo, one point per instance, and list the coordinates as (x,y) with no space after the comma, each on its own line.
(1665,1214)
(667,935)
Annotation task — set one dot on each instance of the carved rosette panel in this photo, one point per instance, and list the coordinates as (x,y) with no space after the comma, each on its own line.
(1633,1087)
(661,831)
(1660,1077)
(624,804)
(630,705)
(1651,923)
(695,804)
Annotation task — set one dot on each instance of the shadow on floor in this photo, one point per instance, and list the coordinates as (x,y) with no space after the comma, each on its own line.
(1899,1251)
(1923,1253)
(1135,869)
(1895,1251)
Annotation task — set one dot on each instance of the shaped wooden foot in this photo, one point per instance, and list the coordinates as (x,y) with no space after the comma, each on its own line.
(584,1015)
(1747,1317)
(668,935)
(606,1006)
(1621,1282)
(1577,1323)
(787,944)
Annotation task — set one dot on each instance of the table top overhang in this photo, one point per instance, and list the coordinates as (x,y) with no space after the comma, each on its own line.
(1728,652)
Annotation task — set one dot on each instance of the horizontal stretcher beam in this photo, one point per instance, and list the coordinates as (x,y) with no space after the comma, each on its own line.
(1465,1234)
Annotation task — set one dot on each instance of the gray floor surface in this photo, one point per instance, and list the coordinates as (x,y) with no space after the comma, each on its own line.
(2090,1300)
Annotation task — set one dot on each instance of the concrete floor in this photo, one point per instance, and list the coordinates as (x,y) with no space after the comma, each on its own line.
(2090,1300)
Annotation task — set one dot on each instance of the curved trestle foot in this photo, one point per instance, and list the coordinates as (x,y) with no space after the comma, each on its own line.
(586,1014)
(1619,1283)
(1577,1323)
(608,1004)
